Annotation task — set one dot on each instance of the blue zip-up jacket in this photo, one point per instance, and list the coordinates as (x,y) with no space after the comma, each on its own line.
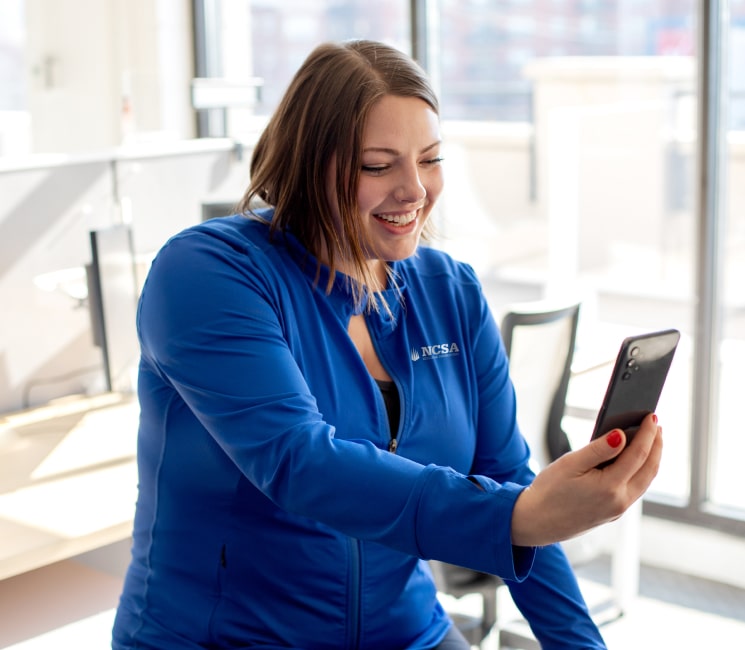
(271,513)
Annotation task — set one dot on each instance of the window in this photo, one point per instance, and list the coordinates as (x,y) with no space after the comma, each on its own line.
(573,149)
(290,30)
(279,34)
(722,471)
(14,118)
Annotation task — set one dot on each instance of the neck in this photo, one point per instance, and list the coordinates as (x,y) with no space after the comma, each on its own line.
(377,279)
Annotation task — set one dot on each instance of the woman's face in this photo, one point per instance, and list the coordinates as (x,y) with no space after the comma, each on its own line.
(401,175)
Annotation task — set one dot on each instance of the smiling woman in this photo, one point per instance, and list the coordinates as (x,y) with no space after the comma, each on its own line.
(326,404)
(400,181)
(393,161)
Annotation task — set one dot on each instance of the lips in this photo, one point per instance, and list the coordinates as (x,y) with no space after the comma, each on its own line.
(398,219)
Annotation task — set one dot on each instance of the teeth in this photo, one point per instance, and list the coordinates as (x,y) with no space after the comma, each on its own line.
(398,219)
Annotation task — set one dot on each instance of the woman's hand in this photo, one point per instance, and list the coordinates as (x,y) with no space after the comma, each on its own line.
(572,494)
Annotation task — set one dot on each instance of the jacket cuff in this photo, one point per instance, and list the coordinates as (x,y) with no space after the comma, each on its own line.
(523,557)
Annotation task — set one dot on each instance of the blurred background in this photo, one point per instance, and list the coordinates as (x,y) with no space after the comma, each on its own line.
(594,150)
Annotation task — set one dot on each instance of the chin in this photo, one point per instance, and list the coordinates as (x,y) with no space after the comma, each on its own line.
(401,253)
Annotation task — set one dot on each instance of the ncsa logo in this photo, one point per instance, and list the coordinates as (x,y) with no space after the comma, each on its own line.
(427,352)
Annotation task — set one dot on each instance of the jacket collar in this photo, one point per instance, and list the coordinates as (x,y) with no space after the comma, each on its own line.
(340,297)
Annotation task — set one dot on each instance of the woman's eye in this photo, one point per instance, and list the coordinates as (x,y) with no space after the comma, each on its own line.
(374,169)
(380,169)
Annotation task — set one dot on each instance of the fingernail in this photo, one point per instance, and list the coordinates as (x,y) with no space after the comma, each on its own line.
(654,418)
(614,438)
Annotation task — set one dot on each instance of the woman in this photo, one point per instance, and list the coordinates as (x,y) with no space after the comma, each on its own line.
(326,404)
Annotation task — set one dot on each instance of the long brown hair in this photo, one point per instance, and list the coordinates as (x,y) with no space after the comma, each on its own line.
(321,117)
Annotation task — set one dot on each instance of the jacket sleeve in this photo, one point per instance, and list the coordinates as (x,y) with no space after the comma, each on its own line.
(549,598)
(211,325)
(551,601)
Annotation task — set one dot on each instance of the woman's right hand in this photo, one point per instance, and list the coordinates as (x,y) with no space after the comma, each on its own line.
(573,494)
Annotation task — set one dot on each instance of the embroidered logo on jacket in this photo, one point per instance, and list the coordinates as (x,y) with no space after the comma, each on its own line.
(437,351)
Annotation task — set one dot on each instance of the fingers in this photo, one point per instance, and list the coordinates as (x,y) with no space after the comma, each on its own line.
(638,452)
(651,457)
(598,453)
(635,469)
(605,448)
(572,494)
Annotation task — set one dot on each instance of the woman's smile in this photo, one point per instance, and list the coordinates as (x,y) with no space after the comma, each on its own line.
(401,176)
(397,219)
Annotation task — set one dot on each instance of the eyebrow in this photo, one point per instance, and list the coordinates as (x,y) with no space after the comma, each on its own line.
(395,152)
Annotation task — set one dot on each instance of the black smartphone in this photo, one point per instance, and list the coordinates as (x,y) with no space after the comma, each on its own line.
(636,382)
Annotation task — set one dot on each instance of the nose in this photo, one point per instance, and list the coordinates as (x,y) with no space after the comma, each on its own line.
(410,188)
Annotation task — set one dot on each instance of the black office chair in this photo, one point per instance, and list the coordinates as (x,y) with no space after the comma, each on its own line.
(540,340)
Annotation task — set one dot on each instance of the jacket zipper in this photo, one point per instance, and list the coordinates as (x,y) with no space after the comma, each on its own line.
(355,587)
(393,444)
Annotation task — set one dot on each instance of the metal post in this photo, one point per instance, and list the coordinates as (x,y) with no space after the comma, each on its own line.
(712,138)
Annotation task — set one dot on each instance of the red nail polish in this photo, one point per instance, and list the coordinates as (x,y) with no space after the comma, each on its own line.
(614,438)
(654,418)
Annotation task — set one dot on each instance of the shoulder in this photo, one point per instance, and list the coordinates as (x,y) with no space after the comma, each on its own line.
(215,266)
(219,254)
(237,231)
(218,240)
(433,263)
(433,279)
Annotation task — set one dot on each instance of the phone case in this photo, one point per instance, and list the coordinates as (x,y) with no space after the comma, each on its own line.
(636,382)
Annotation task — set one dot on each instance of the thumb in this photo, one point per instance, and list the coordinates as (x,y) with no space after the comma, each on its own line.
(607,447)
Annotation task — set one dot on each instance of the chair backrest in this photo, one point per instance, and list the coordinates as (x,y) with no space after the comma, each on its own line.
(540,339)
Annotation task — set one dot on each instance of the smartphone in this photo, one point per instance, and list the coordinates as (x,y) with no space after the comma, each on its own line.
(636,382)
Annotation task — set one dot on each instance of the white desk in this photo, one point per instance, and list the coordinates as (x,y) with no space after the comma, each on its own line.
(68,479)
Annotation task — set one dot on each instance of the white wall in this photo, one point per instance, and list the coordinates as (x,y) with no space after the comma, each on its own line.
(104,69)
(693,550)
(48,208)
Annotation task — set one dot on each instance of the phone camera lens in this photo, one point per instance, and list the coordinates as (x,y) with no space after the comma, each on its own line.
(634,351)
